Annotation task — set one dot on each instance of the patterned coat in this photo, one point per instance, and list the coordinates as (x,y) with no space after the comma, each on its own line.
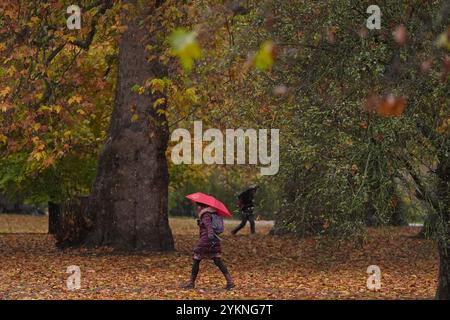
(208,246)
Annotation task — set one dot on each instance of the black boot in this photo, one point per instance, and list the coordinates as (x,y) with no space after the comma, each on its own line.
(188,285)
(230,284)
(191,283)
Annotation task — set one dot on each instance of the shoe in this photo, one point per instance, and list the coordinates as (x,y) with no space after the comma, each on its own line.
(230,286)
(188,285)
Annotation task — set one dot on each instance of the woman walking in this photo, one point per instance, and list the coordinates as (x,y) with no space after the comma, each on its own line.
(208,246)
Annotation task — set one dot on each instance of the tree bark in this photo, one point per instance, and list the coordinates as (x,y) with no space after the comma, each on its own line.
(73,222)
(443,191)
(54,210)
(443,290)
(398,218)
(130,193)
(428,231)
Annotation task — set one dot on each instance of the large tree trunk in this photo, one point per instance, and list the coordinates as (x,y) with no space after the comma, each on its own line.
(443,172)
(129,196)
(443,290)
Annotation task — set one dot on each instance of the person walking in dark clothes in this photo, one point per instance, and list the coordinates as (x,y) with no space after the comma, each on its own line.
(208,247)
(246,207)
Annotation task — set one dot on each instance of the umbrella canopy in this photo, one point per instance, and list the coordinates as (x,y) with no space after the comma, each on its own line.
(211,202)
(246,190)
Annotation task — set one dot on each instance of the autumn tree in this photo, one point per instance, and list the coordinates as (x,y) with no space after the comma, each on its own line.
(362,112)
(129,196)
(55,105)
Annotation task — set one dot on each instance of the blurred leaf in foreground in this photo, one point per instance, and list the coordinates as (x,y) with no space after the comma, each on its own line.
(389,106)
(443,40)
(184,45)
(265,56)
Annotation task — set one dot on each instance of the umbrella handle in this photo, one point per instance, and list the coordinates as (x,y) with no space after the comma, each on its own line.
(220,239)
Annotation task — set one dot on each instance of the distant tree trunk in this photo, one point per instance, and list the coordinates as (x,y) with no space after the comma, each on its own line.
(370,214)
(130,193)
(278,229)
(54,210)
(443,191)
(398,218)
(73,222)
(10,204)
(429,226)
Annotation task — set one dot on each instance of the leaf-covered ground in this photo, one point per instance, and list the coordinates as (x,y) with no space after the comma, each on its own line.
(264,267)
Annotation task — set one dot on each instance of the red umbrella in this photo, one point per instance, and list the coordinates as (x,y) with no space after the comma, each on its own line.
(211,202)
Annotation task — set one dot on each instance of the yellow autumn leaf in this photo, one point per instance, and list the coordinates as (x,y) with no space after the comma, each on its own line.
(74,99)
(4,107)
(184,45)
(191,95)
(38,155)
(34,21)
(265,56)
(44,108)
(160,101)
(161,111)
(40,147)
(443,41)
(36,126)
(57,109)
(70,38)
(4,92)
(3,139)
(11,71)
(157,85)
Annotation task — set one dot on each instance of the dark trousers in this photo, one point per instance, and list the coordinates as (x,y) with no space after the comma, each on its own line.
(250,217)
(218,262)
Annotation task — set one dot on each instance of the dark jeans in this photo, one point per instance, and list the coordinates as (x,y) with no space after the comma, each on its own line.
(250,217)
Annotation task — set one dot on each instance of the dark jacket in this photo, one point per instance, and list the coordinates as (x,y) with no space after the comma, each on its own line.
(208,243)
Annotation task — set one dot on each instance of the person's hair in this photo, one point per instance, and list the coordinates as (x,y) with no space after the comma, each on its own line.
(201,205)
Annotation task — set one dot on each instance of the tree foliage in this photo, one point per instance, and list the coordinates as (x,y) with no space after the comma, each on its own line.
(355,106)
